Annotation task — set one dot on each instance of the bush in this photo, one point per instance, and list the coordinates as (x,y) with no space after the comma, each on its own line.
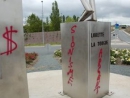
(57,53)
(117,56)
(122,54)
(30,57)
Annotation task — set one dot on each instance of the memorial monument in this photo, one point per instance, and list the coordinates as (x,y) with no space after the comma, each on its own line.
(86,55)
(13,77)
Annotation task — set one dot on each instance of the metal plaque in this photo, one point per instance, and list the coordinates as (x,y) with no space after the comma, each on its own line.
(12,56)
(85,59)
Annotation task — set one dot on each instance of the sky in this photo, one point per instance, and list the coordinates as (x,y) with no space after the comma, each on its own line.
(107,10)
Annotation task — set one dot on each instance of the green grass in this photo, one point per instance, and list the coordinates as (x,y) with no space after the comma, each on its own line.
(55,44)
(35,44)
(42,44)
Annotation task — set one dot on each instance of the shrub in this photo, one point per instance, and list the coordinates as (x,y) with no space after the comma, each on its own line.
(57,53)
(30,57)
(113,60)
(122,54)
(116,56)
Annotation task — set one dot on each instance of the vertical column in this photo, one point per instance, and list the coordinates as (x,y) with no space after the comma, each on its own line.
(12,56)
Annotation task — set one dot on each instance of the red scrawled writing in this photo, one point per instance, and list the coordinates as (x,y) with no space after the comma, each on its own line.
(8,36)
(97,87)
(73,29)
(70,63)
(70,52)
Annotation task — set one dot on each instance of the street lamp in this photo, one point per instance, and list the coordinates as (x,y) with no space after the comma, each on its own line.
(42,23)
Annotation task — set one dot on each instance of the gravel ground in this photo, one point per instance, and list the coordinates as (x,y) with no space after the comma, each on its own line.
(120,69)
(46,61)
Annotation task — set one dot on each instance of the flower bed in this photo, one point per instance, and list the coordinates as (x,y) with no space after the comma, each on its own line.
(120,56)
(30,58)
(117,56)
(57,53)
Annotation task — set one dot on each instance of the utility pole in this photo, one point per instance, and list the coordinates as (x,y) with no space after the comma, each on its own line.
(42,23)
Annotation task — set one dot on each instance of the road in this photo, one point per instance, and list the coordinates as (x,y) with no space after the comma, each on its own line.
(122,35)
(121,39)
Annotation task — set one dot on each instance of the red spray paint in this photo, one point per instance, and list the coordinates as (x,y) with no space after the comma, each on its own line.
(8,36)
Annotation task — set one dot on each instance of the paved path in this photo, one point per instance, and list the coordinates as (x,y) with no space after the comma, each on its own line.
(124,36)
(48,84)
(117,43)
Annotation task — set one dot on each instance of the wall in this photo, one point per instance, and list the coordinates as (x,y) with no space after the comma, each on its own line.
(49,37)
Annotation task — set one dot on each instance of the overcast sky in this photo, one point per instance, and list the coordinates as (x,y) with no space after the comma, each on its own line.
(107,10)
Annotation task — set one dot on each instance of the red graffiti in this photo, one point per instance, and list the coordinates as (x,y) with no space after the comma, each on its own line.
(73,29)
(97,87)
(8,36)
(70,63)
(71,76)
(70,52)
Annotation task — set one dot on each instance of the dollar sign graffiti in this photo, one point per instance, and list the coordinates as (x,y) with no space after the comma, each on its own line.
(8,36)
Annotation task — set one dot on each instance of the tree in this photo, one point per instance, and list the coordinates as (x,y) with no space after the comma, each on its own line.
(55,17)
(66,17)
(34,24)
(47,21)
(69,19)
(47,25)
(75,18)
(63,18)
(25,28)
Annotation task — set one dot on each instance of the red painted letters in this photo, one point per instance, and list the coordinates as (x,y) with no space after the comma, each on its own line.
(8,36)
(70,52)
(97,87)
(73,29)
